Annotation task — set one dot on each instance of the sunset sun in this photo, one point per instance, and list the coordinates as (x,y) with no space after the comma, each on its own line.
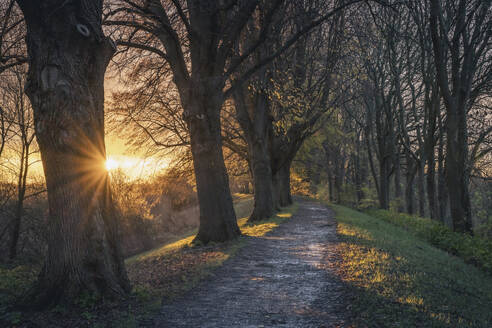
(111,164)
(135,167)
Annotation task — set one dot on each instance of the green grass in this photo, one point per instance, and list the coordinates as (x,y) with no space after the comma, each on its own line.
(14,282)
(400,280)
(472,249)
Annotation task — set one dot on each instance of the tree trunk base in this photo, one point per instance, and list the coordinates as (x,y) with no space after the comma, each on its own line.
(260,216)
(70,291)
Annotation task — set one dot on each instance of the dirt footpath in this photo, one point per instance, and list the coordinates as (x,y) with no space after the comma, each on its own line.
(285,279)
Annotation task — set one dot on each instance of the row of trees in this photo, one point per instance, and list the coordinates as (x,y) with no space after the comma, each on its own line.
(191,65)
(408,93)
(420,113)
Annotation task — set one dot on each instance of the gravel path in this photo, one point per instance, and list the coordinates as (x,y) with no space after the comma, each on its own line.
(285,279)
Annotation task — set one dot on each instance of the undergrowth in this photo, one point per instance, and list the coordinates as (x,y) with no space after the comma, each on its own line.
(472,249)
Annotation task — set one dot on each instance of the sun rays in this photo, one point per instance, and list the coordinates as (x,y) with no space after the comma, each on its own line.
(135,167)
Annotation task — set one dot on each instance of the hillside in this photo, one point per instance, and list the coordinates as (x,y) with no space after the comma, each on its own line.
(400,280)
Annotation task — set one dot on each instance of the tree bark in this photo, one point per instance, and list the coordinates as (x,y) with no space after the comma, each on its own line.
(442,190)
(281,181)
(421,187)
(263,182)
(433,105)
(339,177)
(217,217)
(330,181)
(457,173)
(409,193)
(360,175)
(253,115)
(397,182)
(68,56)
(456,62)
(431,189)
(384,186)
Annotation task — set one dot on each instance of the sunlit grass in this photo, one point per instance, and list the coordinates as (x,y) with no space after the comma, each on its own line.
(174,268)
(399,280)
(257,229)
(261,228)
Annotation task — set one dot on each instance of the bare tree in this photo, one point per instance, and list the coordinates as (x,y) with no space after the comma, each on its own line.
(23,147)
(196,39)
(12,28)
(461,34)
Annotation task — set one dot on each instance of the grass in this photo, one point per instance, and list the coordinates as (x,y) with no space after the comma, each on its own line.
(14,281)
(472,249)
(400,280)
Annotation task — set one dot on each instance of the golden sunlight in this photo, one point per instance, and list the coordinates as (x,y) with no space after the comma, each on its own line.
(111,164)
(135,167)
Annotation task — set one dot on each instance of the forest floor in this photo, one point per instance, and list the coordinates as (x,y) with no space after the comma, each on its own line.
(284,279)
(309,266)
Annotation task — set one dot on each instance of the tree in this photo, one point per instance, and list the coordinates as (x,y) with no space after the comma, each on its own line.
(22,144)
(302,97)
(68,57)
(196,40)
(461,43)
(12,50)
(12,53)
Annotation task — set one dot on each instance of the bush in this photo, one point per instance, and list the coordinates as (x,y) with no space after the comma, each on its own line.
(472,249)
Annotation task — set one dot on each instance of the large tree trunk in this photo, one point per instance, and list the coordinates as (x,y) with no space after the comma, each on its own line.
(457,173)
(262,178)
(384,183)
(217,217)
(252,113)
(409,193)
(421,187)
(313,172)
(397,182)
(429,149)
(442,190)
(459,57)
(281,182)
(330,183)
(68,56)
(431,189)
(339,177)
(359,174)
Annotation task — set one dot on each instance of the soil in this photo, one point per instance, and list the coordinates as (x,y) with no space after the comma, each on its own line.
(287,278)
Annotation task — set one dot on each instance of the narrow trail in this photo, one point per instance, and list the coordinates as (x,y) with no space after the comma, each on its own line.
(285,279)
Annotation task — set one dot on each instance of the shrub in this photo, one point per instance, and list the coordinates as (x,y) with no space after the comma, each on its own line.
(472,249)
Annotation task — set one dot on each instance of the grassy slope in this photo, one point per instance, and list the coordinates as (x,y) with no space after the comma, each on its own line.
(400,280)
(472,249)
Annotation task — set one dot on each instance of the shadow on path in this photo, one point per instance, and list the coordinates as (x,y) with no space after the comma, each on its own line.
(284,279)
